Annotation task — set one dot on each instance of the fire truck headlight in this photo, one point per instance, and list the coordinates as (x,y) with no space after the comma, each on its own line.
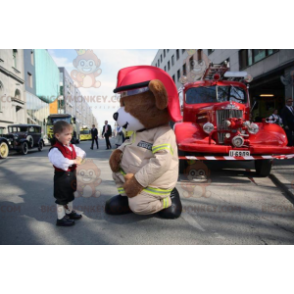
(238,141)
(246,124)
(253,129)
(208,127)
(227,123)
(228,135)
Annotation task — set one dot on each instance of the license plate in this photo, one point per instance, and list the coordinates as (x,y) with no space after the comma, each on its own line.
(239,153)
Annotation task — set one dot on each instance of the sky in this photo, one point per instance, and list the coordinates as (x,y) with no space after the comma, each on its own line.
(112,60)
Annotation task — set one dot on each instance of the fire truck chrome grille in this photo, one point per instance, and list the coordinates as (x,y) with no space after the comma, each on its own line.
(221,117)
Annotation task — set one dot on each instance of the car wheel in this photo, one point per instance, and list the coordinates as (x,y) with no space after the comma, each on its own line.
(24,148)
(4,150)
(263,167)
(31,141)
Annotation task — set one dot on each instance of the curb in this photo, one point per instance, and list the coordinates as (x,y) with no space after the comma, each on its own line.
(281,182)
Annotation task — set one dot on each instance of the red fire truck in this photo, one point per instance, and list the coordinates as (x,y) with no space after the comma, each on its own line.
(217,123)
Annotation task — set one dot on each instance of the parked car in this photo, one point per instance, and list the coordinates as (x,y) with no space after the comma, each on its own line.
(21,138)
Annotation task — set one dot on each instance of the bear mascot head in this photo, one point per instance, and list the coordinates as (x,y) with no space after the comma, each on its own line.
(145,167)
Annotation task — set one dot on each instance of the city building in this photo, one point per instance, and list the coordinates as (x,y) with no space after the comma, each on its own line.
(73,102)
(272,71)
(12,98)
(41,85)
(37,108)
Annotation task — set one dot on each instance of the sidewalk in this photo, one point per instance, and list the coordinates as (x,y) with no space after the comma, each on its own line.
(283,175)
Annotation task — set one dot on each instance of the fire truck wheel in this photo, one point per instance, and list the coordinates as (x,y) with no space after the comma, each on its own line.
(183,164)
(263,167)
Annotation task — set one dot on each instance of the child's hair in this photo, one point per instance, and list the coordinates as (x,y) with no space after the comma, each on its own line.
(59,127)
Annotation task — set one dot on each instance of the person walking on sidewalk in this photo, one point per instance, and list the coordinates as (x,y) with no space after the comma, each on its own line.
(288,120)
(94,134)
(107,132)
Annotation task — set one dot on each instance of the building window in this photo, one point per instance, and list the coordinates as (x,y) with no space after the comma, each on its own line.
(178,74)
(158,63)
(184,69)
(30,80)
(14,53)
(173,60)
(1,130)
(32,57)
(191,62)
(17,94)
(178,54)
(183,51)
(210,51)
(167,50)
(163,52)
(161,57)
(168,65)
(174,78)
(199,55)
(248,57)
(165,68)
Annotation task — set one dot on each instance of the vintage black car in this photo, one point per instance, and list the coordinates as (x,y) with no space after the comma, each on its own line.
(21,138)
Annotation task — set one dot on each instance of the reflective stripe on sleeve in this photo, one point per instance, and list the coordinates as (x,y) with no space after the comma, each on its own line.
(162,147)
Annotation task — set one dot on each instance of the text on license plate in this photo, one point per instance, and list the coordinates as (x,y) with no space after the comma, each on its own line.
(239,153)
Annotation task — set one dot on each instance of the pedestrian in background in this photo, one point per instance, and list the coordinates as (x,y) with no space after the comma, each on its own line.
(94,134)
(288,120)
(65,157)
(119,136)
(275,118)
(107,132)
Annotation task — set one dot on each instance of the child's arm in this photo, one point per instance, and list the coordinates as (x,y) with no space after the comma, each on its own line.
(59,161)
(81,154)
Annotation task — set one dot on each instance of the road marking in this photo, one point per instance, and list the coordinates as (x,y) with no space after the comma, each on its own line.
(191,221)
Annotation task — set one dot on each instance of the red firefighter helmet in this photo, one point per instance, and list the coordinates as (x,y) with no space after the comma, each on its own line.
(135,77)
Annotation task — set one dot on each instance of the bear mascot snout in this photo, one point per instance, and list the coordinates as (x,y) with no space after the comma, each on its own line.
(145,167)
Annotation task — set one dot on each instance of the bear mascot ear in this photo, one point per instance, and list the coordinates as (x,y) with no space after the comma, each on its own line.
(159,91)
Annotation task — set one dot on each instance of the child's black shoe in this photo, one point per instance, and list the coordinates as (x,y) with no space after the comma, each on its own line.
(65,222)
(74,215)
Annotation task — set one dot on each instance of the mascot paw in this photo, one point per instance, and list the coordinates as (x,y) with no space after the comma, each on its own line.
(115,160)
(131,186)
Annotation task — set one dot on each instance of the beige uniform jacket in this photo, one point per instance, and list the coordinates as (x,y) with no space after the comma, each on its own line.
(152,155)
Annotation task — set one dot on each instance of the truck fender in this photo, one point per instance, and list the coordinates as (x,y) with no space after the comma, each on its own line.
(187,131)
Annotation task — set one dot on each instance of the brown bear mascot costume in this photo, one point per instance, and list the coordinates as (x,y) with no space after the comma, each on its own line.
(145,167)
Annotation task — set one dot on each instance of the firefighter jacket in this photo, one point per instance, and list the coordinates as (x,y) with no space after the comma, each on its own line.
(152,156)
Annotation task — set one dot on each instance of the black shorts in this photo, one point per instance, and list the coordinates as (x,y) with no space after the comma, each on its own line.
(65,184)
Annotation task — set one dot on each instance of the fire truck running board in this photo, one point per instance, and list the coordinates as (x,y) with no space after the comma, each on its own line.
(262,157)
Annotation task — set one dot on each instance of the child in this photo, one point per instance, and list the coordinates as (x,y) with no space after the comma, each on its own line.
(65,157)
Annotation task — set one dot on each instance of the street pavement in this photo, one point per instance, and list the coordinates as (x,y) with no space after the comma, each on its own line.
(232,206)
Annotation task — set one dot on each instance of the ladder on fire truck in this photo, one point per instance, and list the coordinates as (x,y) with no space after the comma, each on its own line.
(215,72)
(221,72)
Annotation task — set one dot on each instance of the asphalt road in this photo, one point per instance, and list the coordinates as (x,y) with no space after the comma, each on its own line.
(231,207)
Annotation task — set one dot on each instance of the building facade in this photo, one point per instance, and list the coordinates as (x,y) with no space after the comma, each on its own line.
(12,97)
(272,71)
(41,85)
(73,102)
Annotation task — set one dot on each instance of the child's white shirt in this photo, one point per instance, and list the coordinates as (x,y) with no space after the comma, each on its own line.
(58,160)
